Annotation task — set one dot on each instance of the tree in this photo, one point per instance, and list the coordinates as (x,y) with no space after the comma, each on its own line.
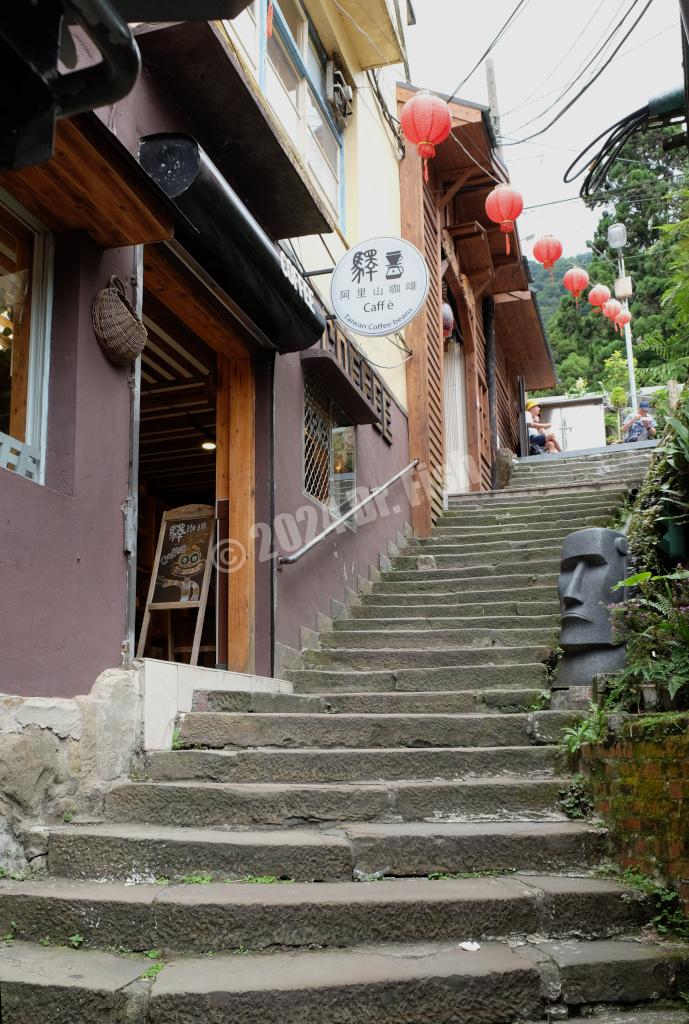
(642,191)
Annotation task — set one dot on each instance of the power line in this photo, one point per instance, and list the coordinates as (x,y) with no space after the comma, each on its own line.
(491,46)
(590,60)
(557,66)
(590,82)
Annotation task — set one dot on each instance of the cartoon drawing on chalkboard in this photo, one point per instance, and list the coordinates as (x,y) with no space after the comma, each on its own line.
(189,562)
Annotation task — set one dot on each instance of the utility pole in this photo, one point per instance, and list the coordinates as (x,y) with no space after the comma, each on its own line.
(617,239)
(493,98)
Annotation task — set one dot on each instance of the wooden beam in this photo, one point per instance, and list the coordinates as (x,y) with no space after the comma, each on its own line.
(177,289)
(82,187)
(454,189)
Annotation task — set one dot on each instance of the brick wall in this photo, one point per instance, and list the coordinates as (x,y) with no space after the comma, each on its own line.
(641,790)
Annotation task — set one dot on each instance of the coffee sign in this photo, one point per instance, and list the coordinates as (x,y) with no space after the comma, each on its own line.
(379,286)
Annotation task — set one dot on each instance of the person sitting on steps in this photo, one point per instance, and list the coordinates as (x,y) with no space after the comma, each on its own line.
(540,434)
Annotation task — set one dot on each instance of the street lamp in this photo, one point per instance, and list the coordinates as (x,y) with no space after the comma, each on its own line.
(617,239)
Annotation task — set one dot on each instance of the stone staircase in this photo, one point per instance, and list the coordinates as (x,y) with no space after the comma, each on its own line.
(385,844)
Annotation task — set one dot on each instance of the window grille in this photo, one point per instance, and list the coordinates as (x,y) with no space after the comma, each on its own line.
(316,443)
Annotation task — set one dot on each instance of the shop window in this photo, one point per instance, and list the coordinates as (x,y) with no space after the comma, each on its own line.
(25,251)
(329,453)
(291,70)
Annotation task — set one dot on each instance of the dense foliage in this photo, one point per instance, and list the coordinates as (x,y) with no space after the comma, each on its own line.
(642,190)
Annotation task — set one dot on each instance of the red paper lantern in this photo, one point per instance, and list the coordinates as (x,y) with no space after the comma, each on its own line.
(503,206)
(547,250)
(598,296)
(575,280)
(426,122)
(448,320)
(612,309)
(623,318)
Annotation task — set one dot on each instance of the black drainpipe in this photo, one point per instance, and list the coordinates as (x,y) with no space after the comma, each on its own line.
(489,333)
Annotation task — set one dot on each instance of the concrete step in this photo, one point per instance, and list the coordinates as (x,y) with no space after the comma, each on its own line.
(132,851)
(565,497)
(425,703)
(420,849)
(257,703)
(424,680)
(483,556)
(343,764)
(144,852)
(540,529)
(449,623)
(532,516)
(429,657)
(391,984)
(221,916)
(612,483)
(511,540)
(241,731)
(219,804)
(620,1016)
(617,972)
(454,583)
(507,599)
(441,636)
(417,608)
(399,984)
(67,986)
(546,563)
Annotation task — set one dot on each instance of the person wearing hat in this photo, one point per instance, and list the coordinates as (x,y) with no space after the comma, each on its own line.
(538,432)
(640,426)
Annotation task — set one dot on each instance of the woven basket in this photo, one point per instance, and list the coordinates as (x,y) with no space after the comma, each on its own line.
(120,333)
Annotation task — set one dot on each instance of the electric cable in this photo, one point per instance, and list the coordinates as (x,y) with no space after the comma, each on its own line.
(588,84)
(491,46)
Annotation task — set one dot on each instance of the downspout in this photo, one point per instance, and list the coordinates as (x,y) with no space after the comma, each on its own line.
(489,333)
(130,508)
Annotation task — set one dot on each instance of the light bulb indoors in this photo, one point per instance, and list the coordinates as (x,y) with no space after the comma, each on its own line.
(209,446)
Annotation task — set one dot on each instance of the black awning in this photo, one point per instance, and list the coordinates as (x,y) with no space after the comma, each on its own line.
(243,259)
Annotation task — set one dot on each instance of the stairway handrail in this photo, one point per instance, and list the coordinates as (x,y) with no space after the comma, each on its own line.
(291,559)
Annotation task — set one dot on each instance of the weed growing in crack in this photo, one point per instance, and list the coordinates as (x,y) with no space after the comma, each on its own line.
(196,879)
(153,971)
(76,941)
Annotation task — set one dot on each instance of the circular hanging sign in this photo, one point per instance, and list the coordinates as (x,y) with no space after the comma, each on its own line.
(379,286)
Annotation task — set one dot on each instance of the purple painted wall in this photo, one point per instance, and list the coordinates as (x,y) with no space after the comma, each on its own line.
(62,603)
(306,588)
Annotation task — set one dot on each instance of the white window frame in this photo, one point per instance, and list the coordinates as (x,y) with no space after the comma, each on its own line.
(39,337)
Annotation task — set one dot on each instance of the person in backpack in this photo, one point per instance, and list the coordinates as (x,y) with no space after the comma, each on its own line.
(640,425)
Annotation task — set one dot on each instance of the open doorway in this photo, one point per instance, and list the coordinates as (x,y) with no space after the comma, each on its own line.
(177,468)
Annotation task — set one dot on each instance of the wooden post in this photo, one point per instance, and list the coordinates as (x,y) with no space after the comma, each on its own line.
(491,382)
(235,483)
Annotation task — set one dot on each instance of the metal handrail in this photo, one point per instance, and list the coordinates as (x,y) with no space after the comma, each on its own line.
(291,559)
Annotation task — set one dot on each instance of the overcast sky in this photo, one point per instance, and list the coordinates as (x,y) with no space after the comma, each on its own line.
(532,60)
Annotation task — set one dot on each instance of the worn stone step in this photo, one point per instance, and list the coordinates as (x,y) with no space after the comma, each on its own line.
(66,986)
(538,530)
(488,553)
(418,608)
(439,702)
(428,680)
(616,971)
(511,540)
(220,916)
(446,623)
(343,764)
(208,804)
(461,583)
(619,1016)
(547,563)
(421,848)
(132,851)
(429,657)
(144,852)
(241,731)
(531,517)
(483,597)
(390,984)
(441,636)
(506,498)
(612,484)
(257,703)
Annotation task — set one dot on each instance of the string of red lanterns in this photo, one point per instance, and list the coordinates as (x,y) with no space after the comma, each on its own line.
(427,122)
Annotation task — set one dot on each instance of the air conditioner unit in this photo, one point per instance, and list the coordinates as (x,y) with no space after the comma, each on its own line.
(339,93)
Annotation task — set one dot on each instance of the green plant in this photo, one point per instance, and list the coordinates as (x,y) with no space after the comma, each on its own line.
(263,880)
(592,729)
(176,738)
(669,917)
(542,701)
(445,876)
(11,933)
(75,940)
(162,880)
(196,879)
(153,971)
(152,954)
(67,817)
(45,941)
(576,801)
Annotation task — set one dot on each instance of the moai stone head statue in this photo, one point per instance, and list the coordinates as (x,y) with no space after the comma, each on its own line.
(593,561)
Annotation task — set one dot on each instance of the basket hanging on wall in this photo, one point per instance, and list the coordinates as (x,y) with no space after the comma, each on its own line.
(120,333)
